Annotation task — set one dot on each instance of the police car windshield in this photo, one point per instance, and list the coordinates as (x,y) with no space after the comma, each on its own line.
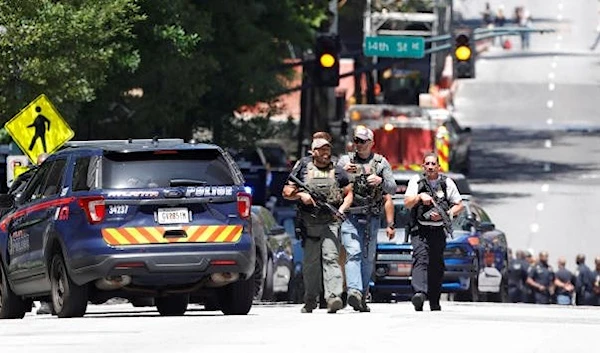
(153,169)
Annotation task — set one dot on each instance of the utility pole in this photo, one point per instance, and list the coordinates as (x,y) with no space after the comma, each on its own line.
(368,31)
(317,104)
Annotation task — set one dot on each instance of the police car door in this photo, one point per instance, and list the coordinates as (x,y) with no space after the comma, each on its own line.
(19,239)
(40,214)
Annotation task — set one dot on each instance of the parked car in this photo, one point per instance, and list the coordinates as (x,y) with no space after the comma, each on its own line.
(280,247)
(263,274)
(476,254)
(286,217)
(130,219)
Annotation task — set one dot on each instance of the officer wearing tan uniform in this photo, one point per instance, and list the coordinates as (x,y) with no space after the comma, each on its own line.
(322,228)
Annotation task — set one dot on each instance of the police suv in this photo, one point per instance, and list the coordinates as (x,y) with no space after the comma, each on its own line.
(131,219)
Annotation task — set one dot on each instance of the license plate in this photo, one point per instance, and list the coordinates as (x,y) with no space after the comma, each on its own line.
(173,215)
(400,270)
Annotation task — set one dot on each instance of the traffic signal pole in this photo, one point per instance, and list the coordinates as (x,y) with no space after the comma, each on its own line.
(320,76)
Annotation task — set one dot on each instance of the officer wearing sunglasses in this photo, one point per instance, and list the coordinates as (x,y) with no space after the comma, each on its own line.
(373,185)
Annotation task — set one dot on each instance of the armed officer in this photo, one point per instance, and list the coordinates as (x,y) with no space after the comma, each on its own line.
(321,226)
(373,184)
(433,200)
(540,278)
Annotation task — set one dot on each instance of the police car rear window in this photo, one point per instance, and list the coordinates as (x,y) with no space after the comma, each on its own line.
(155,169)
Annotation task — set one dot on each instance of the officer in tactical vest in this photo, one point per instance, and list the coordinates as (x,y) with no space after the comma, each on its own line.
(540,278)
(372,179)
(433,200)
(321,227)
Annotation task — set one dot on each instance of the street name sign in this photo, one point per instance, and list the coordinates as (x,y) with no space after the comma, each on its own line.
(395,46)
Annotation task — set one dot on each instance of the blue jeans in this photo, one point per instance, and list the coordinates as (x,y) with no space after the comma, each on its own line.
(359,267)
(563,299)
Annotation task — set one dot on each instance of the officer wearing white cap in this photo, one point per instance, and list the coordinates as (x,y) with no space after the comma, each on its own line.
(321,227)
(372,178)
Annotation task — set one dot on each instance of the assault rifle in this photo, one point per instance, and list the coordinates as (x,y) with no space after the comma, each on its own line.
(319,198)
(440,210)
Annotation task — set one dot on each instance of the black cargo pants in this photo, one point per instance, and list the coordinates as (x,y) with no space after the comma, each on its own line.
(428,261)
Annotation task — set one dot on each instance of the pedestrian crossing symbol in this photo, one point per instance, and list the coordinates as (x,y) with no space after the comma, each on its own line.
(39,128)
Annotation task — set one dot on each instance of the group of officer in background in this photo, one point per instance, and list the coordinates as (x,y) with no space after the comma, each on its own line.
(533,280)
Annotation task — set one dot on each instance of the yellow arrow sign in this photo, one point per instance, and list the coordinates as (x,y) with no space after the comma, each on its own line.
(39,128)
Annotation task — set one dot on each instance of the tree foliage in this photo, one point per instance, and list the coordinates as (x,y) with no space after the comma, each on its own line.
(133,68)
(64,49)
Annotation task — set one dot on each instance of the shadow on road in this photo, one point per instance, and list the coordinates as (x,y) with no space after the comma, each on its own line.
(501,155)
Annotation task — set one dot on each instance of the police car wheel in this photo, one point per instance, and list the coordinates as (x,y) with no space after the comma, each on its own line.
(236,298)
(68,298)
(11,305)
(172,305)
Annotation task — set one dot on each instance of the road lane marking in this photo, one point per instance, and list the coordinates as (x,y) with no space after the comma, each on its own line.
(554,65)
(540,206)
(545,187)
(550,104)
(550,121)
(559,17)
(547,167)
(551,86)
(551,76)
(548,143)
(534,227)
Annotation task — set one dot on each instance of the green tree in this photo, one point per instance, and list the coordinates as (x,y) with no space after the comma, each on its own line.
(64,49)
(132,68)
(201,60)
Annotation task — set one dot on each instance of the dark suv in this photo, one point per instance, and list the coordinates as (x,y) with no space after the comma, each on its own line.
(131,219)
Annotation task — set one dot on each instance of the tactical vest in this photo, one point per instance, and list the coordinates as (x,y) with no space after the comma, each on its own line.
(365,194)
(325,182)
(441,197)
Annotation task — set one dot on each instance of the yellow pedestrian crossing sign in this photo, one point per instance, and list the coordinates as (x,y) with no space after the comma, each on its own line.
(39,128)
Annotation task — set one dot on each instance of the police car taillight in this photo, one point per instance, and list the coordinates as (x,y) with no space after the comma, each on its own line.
(244,204)
(94,208)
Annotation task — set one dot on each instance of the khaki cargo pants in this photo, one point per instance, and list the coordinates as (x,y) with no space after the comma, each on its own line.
(321,261)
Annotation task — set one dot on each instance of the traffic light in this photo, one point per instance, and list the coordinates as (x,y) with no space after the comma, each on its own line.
(327,56)
(464,54)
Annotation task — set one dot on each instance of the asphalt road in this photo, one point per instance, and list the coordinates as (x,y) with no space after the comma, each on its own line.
(536,121)
(459,327)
